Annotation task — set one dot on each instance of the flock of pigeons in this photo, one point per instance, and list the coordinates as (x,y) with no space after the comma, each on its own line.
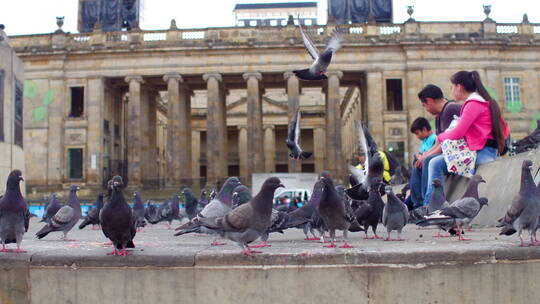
(234,214)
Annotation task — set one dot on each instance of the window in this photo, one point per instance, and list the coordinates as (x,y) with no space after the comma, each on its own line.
(511,89)
(77,102)
(281,168)
(18,122)
(394,95)
(308,168)
(106,128)
(397,148)
(116,131)
(75,163)
(2,105)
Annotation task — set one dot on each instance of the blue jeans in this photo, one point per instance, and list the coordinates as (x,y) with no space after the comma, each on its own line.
(418,182)
(437,168)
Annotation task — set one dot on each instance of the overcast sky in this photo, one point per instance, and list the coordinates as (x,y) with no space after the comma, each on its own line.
(38,16)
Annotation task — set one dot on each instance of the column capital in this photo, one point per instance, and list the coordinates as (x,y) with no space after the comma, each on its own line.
(136,78)
(289,74)
(216,76)
(173,76)
(240,127)
(339,74)
(257,75)
(272,127)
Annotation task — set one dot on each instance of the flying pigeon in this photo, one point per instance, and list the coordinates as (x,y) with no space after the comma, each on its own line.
(51,208)
(65,218)
(524,211)
(395,215)
(321,61)
(14,214)
(293,139)
(117,220)
(249,221)
(92,217)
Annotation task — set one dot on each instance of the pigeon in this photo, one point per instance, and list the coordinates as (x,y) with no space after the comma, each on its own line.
(436,202)
(335,212)
(241,195)
(203,200)
(92,217)
(321,61)
(14,214)
(117,220)
(459,213)
(169,211)
(51,208)
(219,206)
(150,214)
(293,139)
(65,218)
(191,203)
(369,213)
(529,142)
(138,211)
(395,215)
(249,221)
(524,211)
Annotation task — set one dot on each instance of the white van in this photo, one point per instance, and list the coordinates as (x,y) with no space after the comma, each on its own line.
(280,193)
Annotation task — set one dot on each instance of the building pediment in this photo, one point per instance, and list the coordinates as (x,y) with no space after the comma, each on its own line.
(269,106)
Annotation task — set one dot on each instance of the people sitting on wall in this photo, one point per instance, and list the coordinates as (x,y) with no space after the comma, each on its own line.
(433,101)
(422,129)
(480,127)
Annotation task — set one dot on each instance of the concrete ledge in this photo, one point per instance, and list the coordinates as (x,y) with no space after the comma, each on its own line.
(165,269)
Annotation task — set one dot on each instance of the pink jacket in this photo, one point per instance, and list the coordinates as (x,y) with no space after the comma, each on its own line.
(474,124)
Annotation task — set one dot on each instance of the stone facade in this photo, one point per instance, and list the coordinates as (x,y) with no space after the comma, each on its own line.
(11,99)
(225,96)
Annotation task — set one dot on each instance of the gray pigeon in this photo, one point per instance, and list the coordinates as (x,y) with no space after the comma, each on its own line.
(249,221)
(241,195)
(293,139)
(138,211)
(203,200)
(150,214)
(14,214)
(51,208)
(335,212)
(369,213)
(321,61)
(219,206)
(524,211)
(395,214)
(436,202)
(65,218)
(117,220)
(92,217)
(459,213)
(191,203)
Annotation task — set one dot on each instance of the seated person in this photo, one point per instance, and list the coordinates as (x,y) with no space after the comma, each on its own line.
(480,123)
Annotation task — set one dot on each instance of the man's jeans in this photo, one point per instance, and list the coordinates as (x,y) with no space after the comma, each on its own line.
(418,182)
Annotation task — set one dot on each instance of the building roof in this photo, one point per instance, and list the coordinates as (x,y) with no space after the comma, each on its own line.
(275,5)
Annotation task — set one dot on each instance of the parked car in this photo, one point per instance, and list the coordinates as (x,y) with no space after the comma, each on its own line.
(284,198)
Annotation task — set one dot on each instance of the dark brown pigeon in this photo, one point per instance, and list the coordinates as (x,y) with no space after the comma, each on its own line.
(14,214)
(51,208)
(249,221)
(369,212)
(117,221)
(65,218)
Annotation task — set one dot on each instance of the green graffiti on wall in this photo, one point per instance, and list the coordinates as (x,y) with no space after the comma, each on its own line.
(31,91)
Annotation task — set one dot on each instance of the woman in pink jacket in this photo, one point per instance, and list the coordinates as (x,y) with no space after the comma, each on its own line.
(480,123)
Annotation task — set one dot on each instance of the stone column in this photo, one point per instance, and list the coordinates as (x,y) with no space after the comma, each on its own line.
(255,148)
(242,150)
(334,159)
(293,96)
(179,147)
(530,94)
(494,81)
(149,164)
(56,163)
(195,160)
(269,149)
(134,130)
(414,109)
(94,110)
(375,106)
(319,137)
(216,152)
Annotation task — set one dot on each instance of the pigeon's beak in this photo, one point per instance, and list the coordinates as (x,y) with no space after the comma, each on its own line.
(21,178)
(116,184)
(482,181)
(281,185)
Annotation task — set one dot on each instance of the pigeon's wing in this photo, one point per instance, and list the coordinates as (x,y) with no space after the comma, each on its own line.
(514,210)
(363,144)
(462,208)
(62,217)
(294,128)
(239,219)
(335,42)
(312,50)
(385,215)
(363,211)
(405,213)
(26,219)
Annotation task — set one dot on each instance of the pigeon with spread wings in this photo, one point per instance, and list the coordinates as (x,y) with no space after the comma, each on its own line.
(321,61)
(293,139)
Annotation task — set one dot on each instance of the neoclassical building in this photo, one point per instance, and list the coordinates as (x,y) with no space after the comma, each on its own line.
(185,106)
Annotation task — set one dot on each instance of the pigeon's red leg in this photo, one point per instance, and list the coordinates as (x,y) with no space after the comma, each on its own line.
(346,245)
(4,249)
(261,245)
(216,243)
(115,252)
(439,235)
(460,235)
(377,237)
(123,252)
(95,227)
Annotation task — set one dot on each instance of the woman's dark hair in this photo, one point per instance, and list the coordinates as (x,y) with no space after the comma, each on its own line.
(430,91)
(419,124)
(471,83)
